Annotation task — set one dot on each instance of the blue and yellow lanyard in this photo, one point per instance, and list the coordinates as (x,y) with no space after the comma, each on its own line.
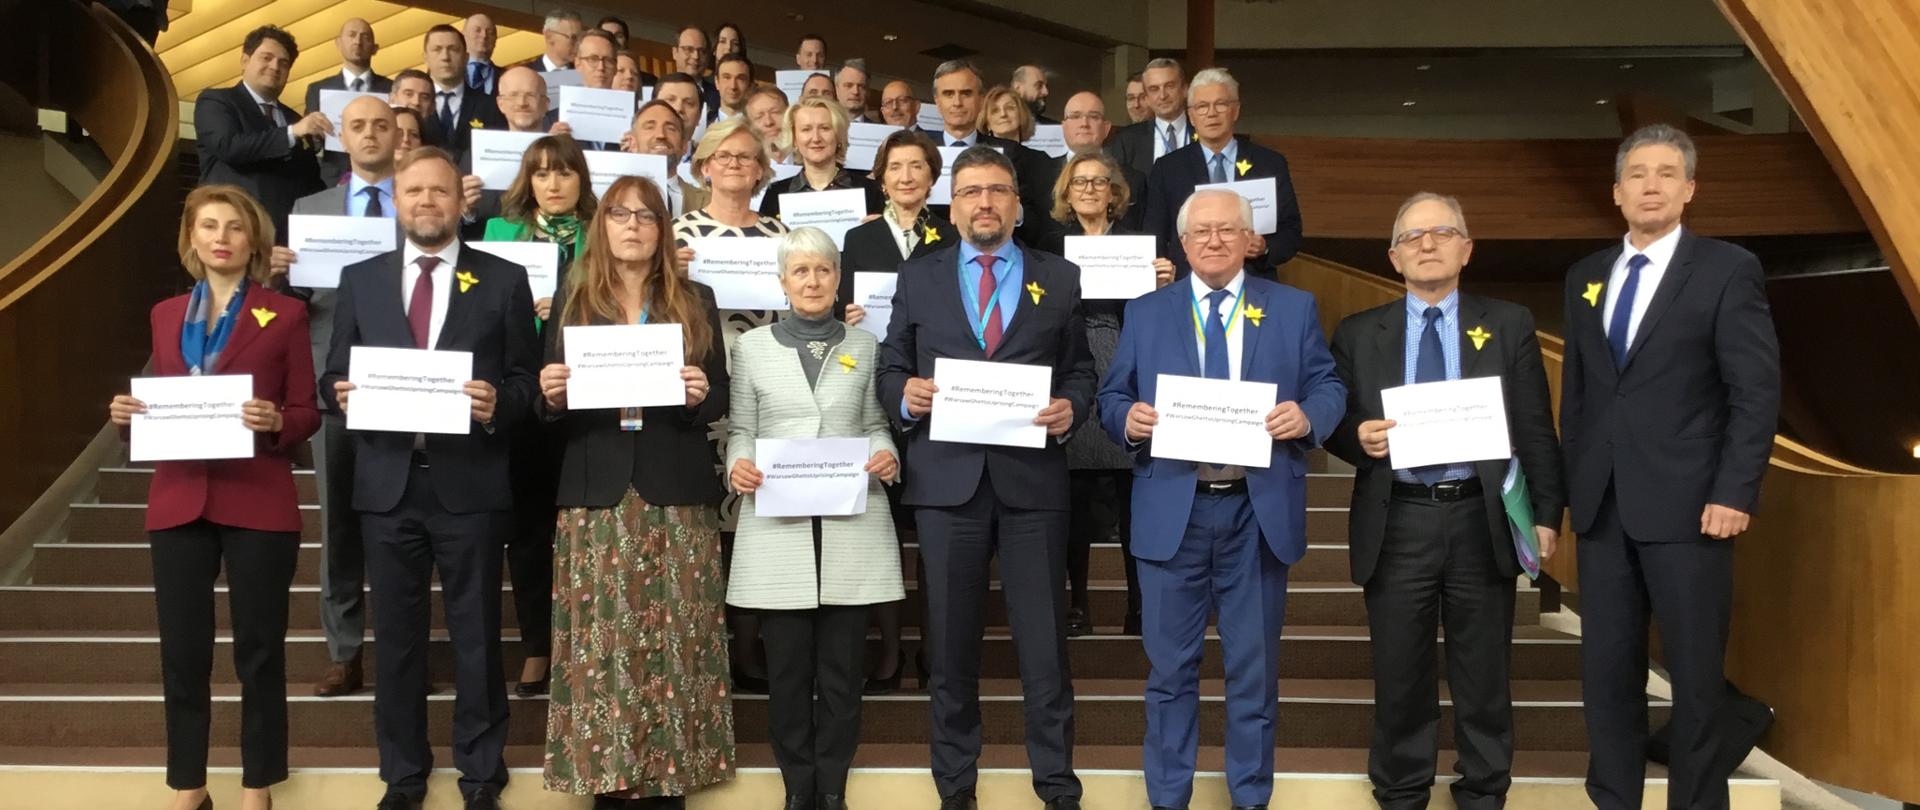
(630,418)
(1200,319)
(972,299)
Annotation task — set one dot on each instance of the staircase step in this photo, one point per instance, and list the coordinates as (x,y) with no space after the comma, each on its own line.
(1329,653)
(1313,714)
(130,484)
(126,523)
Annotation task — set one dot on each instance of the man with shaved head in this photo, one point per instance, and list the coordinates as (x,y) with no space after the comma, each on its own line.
(357,48)
(482,74)
(898,105)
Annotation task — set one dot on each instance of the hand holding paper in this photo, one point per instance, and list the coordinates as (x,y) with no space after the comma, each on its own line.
(1450,422)
(993,403)
(182,418)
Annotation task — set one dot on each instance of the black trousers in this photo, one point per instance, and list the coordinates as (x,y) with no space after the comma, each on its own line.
(530,564)
(815,670)
(1091,489)
(186,560)
(1437,567)
(343,561)
(404,548)
(1686,587)
(957,544)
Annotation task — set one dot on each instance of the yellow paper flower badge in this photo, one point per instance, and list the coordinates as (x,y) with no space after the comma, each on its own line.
(1593,293)
(264,316)
(1252,313)
(1479,335)
(466,280)
(1244,167)
(932,235)
(1033,289)
(847,363)
(477,123)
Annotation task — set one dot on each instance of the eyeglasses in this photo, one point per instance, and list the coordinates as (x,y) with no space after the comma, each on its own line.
(731,158)
(976,192)
(594,60)
(619,216)
(1202,236)
(1441,234)
(1095,117)
(1098,183)
(896,103)
(1221,107)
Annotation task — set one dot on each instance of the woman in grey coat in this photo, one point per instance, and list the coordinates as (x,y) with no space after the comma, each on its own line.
(811,578)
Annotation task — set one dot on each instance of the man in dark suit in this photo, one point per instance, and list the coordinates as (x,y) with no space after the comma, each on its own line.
(1085,127)
(691,50)
(481,35)
(560,30)
(1432,542)
(978,501)
(1669,400)
(957,91)
(1214,536)
(356,75)
(456,109)
(437,502)
(1136,146)
(248,138)
(1217,155)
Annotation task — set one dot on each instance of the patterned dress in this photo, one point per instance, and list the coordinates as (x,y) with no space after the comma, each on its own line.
(640,703)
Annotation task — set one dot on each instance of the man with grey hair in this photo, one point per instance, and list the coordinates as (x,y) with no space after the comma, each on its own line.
(1218,536)
(1669,398)
(1434,543)
(1030,84)
(1165,128)
(957,92)
(1216,156)
(850,89)
(561,30)
(977,501)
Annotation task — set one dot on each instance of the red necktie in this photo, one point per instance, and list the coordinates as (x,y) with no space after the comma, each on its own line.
(990,331)
(420,306)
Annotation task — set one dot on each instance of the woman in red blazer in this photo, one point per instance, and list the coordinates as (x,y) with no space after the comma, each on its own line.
(240,513)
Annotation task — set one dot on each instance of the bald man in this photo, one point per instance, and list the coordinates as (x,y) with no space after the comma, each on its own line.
(481,34)
(899,107)
(357,48)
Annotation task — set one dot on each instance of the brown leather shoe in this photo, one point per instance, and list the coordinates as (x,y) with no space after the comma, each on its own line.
(340,679)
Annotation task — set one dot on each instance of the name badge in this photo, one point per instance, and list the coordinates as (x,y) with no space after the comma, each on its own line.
(630,419)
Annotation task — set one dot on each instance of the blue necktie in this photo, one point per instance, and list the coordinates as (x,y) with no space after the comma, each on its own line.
(1166,139)
(1216,366)
(477,76)
(1219,171)
(1617,328)
(1431,366)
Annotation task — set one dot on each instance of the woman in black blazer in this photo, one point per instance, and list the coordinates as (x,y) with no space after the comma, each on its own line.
(814,135)
(1088,198)
(905,168)
(639,634)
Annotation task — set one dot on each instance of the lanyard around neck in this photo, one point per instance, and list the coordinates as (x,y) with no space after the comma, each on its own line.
(1200,319)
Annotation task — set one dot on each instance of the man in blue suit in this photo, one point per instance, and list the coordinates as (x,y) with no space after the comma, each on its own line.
(1210,537)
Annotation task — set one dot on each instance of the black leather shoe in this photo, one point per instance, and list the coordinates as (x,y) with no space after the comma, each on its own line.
(1077,623)
(396,801)
(962,802)
(483,799)
(1249,807)
(533,689)
(889,684)
(1158,807)
(1063,803)
(830,801)
(798,803)
(609,803)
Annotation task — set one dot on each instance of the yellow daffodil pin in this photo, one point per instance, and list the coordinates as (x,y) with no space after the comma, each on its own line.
(932,235)
(1479,335)
(476,123)
(1033,289)
(264,316)
(847,363)
(1593,293)
(466,280)
(1252,313)
(1244,167)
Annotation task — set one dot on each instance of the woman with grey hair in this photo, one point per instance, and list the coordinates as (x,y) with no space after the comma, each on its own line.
(811,579)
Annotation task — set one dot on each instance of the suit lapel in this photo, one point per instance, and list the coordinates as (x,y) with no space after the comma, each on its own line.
(1473,315)
(1591,325)
(1031,272)
(1251,296)
(1678,269)
(386,303)
(246,327)
(1392,347)
(460,303)
(946,279)
(1180,306)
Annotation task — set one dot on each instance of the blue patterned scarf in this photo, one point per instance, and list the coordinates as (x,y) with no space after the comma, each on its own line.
(200,348)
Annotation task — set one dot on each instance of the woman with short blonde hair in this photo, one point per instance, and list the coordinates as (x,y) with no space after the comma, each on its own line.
(815,136)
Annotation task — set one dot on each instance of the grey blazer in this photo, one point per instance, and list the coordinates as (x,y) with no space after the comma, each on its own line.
(329,202)
(773,559)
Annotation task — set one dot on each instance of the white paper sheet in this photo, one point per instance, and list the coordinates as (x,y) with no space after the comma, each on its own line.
(610,166)
(191,418)
(942,191)
(1446,422)
(863,143)
(333,104)
(597,114)
(542,260)
(835,212)
(744,271)
(790,82)
(325,243)
(811,477)
(1112,267)
(409,390)
(1261,192)
(1213,421)
(874,293)
(1048,138)
(496,155)
(627,366)
(557,79)
(930,120)
(989,403)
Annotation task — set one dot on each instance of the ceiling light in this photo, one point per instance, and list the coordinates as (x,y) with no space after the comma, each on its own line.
(1626,65)
(1422,67)
(1408,103)
(1600,101)
(889,37)
(1916,449)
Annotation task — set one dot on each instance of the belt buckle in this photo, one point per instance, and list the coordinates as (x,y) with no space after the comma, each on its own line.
(1219,486)
(1446,490)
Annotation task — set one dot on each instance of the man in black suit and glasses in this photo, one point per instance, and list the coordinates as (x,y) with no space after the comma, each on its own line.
(1432,542)
(1669,400)
(991,298)
(437,502)
(248,138)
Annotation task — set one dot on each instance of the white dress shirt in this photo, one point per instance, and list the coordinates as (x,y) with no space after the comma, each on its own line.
(348,77)
(275,118)
(547,61)
(1659,255)
(1236,340)
(899,235)
(459,92)
(443,282)
(1179,125)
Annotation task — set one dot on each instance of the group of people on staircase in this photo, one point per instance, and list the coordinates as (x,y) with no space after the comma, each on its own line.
(627,588)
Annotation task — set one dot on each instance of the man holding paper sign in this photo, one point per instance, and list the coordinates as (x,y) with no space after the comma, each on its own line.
(991,299)
(1218,535)
(1434,541)
(437,501)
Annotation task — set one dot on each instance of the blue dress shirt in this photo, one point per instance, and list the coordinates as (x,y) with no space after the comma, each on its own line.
(1449,328)
(357,197)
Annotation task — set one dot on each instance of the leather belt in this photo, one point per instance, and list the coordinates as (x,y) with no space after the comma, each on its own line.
(1443,491)
(1237,486)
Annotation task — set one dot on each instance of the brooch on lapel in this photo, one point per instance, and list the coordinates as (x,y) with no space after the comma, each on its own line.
(847,363)
(466,280)
(1479,335)
(932,235)
(264,316)
(1252,313)
(1034,289)
(1244,167)
(476,123)
(1593,293)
